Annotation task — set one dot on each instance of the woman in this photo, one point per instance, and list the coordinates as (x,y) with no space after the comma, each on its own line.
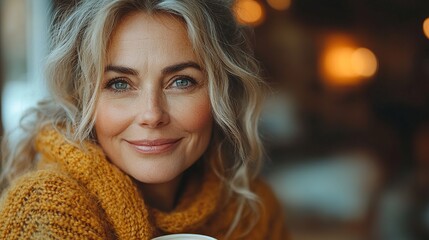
(151,129)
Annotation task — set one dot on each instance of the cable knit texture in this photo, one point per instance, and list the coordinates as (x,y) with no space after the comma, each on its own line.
(77,194)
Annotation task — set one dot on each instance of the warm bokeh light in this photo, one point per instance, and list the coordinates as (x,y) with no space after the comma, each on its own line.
(338,62)
(363,62)
(426,27)
(249,12)
(344,64)
(279,4)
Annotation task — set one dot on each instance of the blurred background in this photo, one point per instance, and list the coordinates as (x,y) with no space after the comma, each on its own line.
(347,123)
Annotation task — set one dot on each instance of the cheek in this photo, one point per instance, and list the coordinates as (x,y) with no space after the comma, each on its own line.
(197,116)
(110,118)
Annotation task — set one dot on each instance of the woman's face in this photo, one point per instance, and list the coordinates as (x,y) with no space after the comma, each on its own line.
(153,117)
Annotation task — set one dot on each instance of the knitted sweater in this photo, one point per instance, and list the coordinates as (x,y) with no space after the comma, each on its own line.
(77,194)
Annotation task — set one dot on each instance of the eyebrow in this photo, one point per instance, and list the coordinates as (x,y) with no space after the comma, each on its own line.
(120,69)
(180,66)
(167,70)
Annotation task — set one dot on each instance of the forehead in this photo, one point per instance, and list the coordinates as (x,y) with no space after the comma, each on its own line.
(151,22)
(151,40)
(140,29)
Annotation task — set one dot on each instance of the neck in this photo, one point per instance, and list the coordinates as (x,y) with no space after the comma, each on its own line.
(161,196)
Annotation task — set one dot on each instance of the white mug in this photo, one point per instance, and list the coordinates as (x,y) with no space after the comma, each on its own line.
(184,237)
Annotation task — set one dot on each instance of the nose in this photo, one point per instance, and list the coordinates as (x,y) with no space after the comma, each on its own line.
(151,111)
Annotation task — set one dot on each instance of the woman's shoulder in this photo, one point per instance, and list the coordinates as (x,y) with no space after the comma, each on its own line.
(47,201)
(272,214)
(40,184)
(262,188)
(271,206)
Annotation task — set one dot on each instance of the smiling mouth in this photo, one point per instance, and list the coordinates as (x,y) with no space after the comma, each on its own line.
(154,146)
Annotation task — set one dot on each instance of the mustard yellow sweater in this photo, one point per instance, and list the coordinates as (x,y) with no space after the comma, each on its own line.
(77,194)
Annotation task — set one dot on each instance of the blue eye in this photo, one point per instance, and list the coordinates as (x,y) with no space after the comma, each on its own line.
(183,83)
(118,85)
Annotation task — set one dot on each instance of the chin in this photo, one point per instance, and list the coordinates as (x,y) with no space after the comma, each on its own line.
(157,177)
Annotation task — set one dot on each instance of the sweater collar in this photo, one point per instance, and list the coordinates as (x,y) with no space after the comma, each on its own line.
(119,196)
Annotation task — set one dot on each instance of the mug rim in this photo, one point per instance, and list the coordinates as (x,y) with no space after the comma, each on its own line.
(194,236)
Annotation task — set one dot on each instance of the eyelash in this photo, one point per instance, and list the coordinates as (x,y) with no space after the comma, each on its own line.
(109,85)
(192,82)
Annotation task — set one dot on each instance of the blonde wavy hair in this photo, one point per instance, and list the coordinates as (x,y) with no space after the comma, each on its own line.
(75,66)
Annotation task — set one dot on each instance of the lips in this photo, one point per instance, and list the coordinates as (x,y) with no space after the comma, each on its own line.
(154,146)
